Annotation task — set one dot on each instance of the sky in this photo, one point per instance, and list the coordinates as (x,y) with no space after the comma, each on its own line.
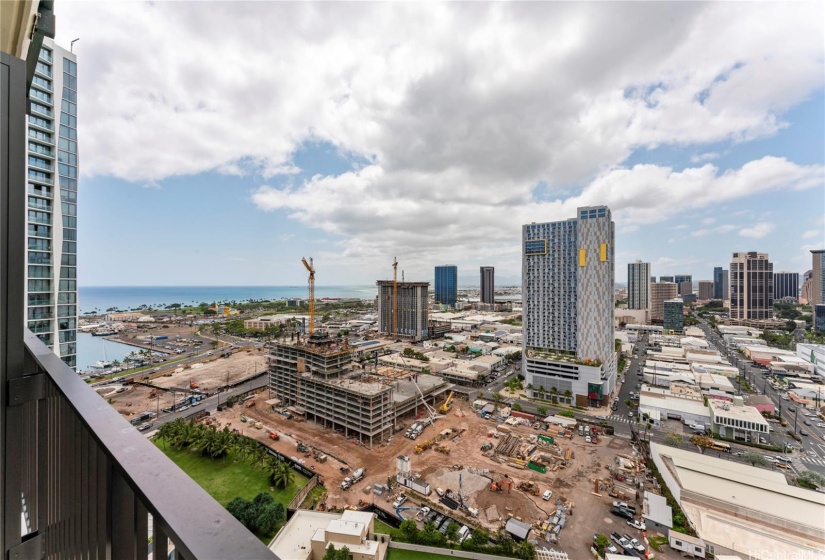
(222,141)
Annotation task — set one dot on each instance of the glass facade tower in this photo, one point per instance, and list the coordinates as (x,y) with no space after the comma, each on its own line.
(446,284)
(52,172)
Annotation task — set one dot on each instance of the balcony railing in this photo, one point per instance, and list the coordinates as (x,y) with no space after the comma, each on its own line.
(89,485)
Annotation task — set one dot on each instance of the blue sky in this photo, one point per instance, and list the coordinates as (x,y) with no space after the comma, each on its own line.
(356,133)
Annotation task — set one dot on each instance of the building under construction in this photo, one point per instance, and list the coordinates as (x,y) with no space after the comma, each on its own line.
(402,309)
(318,380)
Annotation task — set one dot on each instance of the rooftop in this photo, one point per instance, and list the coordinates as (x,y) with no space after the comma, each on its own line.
(726,409)
(293,540)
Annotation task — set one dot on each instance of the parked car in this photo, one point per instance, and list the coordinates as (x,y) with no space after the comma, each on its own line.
(547,495)
(621,512)
(399,501)
(636,524)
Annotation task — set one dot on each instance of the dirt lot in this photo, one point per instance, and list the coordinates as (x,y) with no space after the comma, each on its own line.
(212,372)
(591,513)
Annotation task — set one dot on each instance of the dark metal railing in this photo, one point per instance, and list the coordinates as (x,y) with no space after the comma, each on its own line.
(89,485)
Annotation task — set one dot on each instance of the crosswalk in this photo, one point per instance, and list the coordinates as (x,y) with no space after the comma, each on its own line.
(813,461)
(620,419)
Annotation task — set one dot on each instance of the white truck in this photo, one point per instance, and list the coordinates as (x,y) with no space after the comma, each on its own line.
(346,484)
(358,474)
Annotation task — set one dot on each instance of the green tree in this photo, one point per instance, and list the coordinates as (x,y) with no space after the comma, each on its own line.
(755,458)
(516,406)
(542,410)
(283,475)
(241,510)
(409,529)
(601,542)
(673,439)
(811,479)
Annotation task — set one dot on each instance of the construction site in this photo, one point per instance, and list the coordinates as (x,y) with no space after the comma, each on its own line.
(174,387)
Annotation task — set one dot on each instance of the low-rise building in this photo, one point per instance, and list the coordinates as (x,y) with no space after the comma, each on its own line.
(814,354)
(661,404)
(657,514)
(308,534)
(737,420)
(738,508)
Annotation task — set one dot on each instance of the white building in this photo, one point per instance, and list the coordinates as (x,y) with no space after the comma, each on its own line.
(308,534)
(734,507)
(813,354)
(737,421)
(661,404)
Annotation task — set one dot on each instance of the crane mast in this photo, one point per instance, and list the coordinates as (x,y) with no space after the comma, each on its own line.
(311,268)
(395,297)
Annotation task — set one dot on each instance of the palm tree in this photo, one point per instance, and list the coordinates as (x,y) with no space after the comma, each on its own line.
(568,393)
(283,475)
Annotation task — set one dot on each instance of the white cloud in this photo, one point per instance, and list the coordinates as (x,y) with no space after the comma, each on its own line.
(725,228)
(708,221)
(459,109)
(758,231)
(709,156)
(492,92)
(814,233)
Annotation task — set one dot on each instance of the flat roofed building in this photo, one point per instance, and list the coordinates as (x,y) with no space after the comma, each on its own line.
(785,285)
(817,289)
(308,534)
(446,284)
(735,507)
(659,293)
(674,315)
(705,289)
(638,285)
(488,284)
(737,420)
(751,286)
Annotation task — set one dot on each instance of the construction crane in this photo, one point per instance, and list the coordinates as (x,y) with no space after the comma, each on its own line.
(445,408)
(311,268)
(394,297)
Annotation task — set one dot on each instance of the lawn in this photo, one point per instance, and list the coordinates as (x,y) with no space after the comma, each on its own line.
(384,529)
(227,480)
(398,554)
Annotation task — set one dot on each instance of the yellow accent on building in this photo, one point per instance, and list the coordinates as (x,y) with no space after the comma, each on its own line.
(582,257)
(603,252)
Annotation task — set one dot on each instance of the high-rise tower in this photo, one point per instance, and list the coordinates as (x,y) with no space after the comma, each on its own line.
(751,286)
(51,236)
(817,275)
(638,285)
(488,287)
(446,284)
(567,303)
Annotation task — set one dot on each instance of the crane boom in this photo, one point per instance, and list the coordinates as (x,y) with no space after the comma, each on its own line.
(311,268)
(395,297)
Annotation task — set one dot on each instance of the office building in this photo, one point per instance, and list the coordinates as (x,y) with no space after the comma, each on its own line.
(652,279)
(817,274)
(446,284)
(806,291)
(785,285)
(638,285)
(659,293)
(680,280)
(717,282)
(725,285)
(407,317)
(567,304)
(706,289)
(488,285)
(819,317)
(751,286)
(51,234)
(665,278)
(673,315)
(685,288)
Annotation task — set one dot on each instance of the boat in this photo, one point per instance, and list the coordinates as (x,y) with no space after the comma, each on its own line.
(103,332)
(102,364)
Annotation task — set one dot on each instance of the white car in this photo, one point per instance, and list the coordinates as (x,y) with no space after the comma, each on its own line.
(547,495)
(637,525)
(399,501)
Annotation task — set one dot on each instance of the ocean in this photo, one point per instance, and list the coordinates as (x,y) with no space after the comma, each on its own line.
(101,298)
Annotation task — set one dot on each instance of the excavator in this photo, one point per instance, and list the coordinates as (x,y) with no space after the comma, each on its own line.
(445,407)
(500,485)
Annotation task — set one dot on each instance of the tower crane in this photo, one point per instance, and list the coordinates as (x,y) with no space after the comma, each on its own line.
(311,268)
(395,297)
